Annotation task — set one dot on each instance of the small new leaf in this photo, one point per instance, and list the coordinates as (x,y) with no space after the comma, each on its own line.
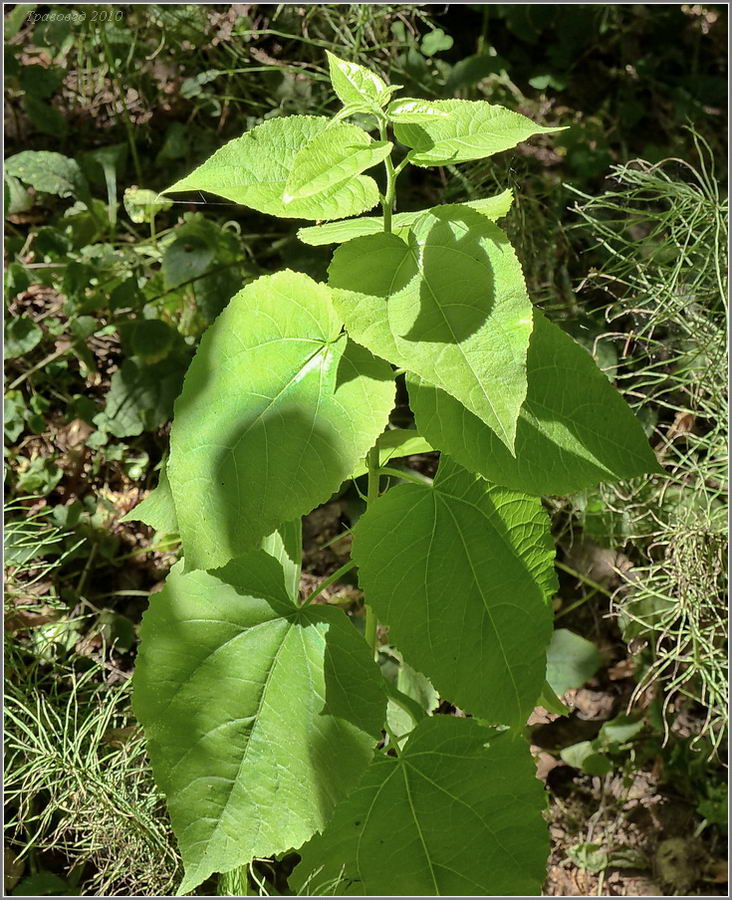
(355,84)
(334,155)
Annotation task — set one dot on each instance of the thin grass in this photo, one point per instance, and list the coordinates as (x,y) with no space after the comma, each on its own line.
(77,782)
(661,235)
(77,779)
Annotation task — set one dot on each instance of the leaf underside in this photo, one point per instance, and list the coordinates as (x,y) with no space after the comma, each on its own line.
(461,572)
(457,814)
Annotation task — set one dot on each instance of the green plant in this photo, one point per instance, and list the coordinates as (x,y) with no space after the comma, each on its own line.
(266,716)
(660,238)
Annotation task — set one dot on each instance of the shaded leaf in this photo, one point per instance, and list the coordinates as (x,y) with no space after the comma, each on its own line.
(393,444)
(49,172)
(458,813)
(21,336)
(571,661)
(460,571)
(231,687)
(450,306)
(586,757)
(574,429)
(157,509)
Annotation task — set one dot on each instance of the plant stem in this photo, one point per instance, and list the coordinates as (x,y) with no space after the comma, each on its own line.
(388,200)
(583,578)
(125,114)
(372,493)
(339,573)
(405,475)
(393,740)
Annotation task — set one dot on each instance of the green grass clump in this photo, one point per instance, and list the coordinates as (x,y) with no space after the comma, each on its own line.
(77,779)
(77,782)
(660,235)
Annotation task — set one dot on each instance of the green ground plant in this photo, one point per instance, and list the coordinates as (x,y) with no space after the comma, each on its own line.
(660,236)
(76,776)
(266,716)
(98,318)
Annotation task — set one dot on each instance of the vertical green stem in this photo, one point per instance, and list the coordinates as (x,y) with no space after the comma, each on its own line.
(388,202)
(125,115)
(373,485)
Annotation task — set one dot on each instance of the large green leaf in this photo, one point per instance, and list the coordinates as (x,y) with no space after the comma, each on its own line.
(277,409)
(260,715)
(460,571)
(340,232)
(333,155)
(473,129)
(450,306)
(458,813)
(253,170)
(355,85)
(574,429)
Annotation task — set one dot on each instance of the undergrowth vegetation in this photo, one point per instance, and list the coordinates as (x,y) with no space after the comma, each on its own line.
(662,234)
(620,224)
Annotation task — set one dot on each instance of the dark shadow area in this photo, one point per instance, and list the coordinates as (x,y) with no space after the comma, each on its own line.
(458,288)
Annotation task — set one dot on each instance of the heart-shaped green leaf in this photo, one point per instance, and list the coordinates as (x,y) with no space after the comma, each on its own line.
(450,306)
(277,409)
(260,715)
(461,571)
(458,813)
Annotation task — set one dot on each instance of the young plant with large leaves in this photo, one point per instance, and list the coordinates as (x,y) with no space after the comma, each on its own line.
(270,726)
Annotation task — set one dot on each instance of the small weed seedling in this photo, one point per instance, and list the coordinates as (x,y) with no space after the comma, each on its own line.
(265,714)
